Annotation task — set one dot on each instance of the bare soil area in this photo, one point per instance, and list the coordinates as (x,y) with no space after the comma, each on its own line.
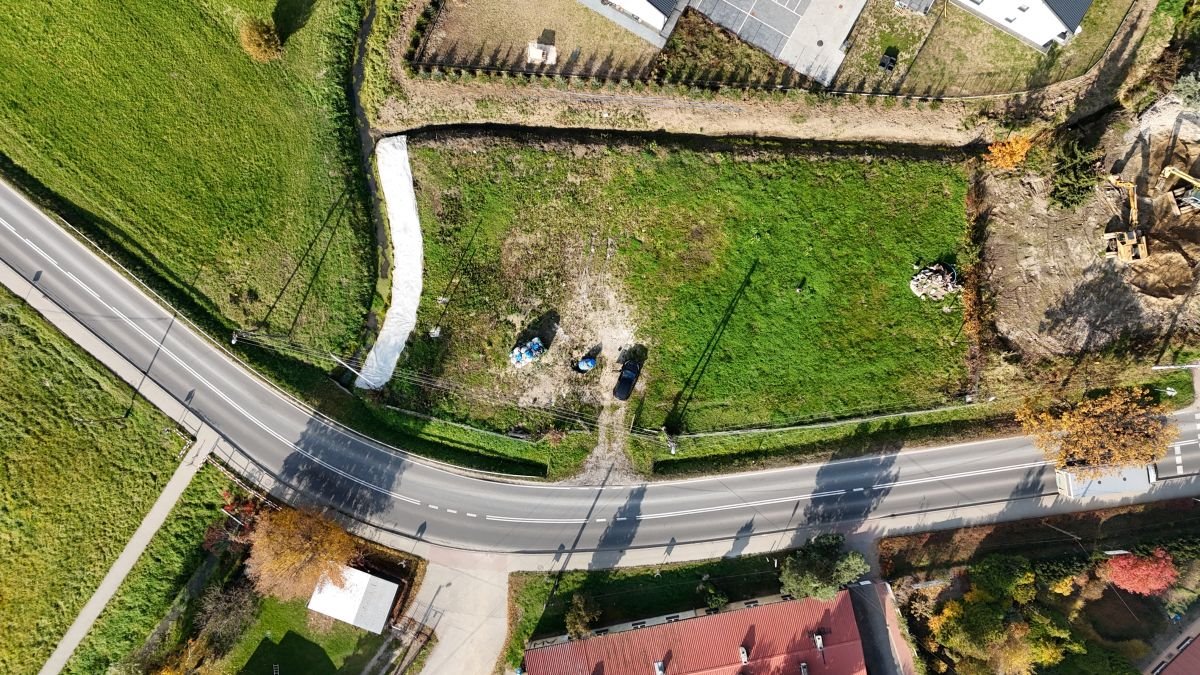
(794,116)
(1055,293)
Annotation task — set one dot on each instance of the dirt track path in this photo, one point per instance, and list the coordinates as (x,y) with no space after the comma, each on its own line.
(609,463)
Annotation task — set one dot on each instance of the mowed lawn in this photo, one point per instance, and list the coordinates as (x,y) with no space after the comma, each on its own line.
(213,173)
(766,287)
(73,488)
(298,641)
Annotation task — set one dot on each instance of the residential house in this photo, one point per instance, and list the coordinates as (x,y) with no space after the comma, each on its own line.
(1040,24)
(804,637)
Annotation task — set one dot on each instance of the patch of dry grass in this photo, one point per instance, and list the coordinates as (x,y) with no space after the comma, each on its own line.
(964,55)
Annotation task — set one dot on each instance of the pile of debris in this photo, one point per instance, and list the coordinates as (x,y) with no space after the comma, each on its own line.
(935,282)
(526,353)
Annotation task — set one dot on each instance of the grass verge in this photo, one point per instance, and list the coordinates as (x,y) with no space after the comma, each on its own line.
(749,452)
(628,593)
(444,441)
(1123,527)
(152,585)
(76,478)
(378,83)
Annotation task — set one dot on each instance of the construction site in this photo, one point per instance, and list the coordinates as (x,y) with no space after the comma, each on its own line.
(1117,269)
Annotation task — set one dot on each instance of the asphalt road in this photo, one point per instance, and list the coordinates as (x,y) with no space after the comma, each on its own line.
(408,495)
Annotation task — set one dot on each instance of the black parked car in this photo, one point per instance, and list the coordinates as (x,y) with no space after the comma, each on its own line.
(629,375)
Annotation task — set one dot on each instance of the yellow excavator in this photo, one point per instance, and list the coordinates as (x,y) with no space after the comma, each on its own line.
(1184,199)
(1128,245)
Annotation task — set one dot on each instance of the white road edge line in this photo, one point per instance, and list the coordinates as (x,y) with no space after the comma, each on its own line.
(174,357)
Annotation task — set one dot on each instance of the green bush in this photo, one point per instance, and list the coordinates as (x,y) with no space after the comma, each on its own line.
(1074,173)
(1188,90)
(821,567)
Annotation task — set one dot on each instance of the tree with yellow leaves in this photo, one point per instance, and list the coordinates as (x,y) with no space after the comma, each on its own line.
(1119,429)
(1009,153)
(291,550)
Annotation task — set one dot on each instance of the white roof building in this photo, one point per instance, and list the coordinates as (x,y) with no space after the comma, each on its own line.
(363,600)
(653,13)
(1038,23)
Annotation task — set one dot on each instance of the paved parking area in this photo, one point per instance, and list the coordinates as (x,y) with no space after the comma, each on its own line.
(805,34)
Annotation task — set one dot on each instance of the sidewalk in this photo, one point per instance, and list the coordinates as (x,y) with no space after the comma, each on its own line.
(464,599)
(205,440)
(192,461)
(1171,643)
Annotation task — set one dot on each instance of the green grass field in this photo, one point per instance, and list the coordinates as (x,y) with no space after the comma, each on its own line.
(154,582)
(810,258)
(71,492)
(628,593)
(233,183)
(282,636)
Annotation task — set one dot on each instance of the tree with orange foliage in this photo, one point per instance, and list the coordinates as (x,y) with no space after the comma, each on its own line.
(1121,428)
(1009,153)
(291,550)
(1144,575)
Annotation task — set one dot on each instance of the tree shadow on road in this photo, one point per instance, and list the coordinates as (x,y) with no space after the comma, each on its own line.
(619,532)
(333,469)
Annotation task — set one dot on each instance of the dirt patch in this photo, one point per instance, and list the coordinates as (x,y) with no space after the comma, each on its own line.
(1055,293)
(595,321)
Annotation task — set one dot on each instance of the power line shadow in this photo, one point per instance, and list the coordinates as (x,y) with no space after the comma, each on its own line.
(683,399)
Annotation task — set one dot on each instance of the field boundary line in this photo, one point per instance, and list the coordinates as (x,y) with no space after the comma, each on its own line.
(821,425)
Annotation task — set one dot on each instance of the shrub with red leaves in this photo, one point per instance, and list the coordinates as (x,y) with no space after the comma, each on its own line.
(1144,575)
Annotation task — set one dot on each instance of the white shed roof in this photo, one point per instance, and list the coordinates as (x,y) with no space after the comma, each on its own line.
(363,600)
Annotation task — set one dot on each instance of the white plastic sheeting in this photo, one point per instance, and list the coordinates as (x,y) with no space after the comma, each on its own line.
(395,179)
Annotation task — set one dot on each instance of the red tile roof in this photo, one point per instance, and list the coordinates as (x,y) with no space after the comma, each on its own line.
(1187,662)
(778,637)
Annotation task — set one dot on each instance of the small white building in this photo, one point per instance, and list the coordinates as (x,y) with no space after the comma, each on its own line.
(653,13)
(1038,23)
(363,600)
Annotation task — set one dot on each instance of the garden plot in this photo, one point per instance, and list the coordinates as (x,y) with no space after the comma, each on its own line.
(758,286)
(496,33)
